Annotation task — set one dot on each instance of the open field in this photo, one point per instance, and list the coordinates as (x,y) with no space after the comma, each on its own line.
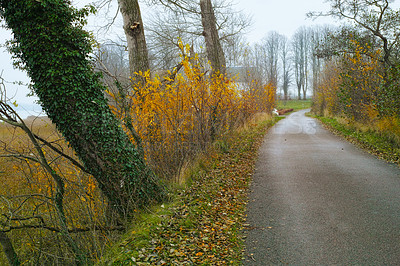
(28,198)
(295,104)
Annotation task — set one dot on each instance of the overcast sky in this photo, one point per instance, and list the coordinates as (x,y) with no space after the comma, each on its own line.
(283,16)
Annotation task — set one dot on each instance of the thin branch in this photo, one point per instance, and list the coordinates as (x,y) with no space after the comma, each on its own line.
(28,196)
(20,157)
(58,230)
(72,160)
(172,76)
(180,6)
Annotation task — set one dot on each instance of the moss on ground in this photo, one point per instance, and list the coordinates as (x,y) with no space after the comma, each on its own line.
(295,104)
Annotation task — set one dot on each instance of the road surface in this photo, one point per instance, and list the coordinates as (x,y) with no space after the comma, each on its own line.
(318,200)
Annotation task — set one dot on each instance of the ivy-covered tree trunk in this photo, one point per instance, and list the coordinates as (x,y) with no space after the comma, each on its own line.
(53,48)
(215,53)
(9,249)
(134,31)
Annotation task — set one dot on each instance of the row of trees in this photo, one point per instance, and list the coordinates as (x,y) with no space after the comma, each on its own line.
(287,62)
(281,61)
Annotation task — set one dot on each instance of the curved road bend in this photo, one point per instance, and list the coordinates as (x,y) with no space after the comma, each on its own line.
(318,200)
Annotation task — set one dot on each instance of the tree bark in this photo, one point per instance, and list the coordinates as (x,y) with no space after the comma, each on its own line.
(215,53)
(134,31)
(54,51)
(9,249)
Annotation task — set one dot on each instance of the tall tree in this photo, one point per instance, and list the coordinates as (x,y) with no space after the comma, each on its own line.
(300,54)
(286,69)
(134,32)
(54,50)
(253,64)
(306,56)
(318,36)
(165,32)
(215,53)
(271,47)
(182,20)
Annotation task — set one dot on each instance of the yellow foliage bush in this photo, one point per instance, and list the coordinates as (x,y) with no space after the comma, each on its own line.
(350,84)
(178,117)
(351,89)
(391,124)
(325,98)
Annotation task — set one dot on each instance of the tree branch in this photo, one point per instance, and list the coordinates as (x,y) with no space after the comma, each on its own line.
(72,160)
(58,230)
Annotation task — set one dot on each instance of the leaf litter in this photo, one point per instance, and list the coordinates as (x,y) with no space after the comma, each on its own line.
(204,225)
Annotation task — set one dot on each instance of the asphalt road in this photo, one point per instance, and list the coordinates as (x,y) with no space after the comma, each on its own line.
(318,200)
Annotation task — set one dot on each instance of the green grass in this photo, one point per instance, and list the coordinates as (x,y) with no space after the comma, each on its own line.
(295,104)
(202,225)
(379,144)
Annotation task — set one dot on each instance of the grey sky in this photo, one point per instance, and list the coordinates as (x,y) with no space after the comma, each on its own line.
(284,16)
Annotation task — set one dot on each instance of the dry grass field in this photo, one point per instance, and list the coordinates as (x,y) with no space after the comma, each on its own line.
(28,212)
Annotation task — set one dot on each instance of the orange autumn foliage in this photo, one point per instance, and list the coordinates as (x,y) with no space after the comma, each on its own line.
(177,118)
(350,83)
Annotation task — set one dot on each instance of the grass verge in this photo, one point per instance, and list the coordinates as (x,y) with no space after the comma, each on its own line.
(203,223)
(295,104)
(380,144)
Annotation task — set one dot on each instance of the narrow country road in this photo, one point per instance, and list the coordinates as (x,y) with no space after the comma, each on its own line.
(318,200)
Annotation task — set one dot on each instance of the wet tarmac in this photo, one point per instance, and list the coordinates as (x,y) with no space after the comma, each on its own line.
(318,200)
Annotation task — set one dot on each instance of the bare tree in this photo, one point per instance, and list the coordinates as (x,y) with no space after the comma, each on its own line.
(44,194)
(215,53)
(286,67)
(299,46)
(166,31)
(184,20)
(318,37)
(271,47)
(253,64)
(9,115)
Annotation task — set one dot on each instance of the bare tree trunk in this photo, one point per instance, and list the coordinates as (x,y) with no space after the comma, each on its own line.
(215,53)
(9,249)
(134,31)
(284,55)
(299,93)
